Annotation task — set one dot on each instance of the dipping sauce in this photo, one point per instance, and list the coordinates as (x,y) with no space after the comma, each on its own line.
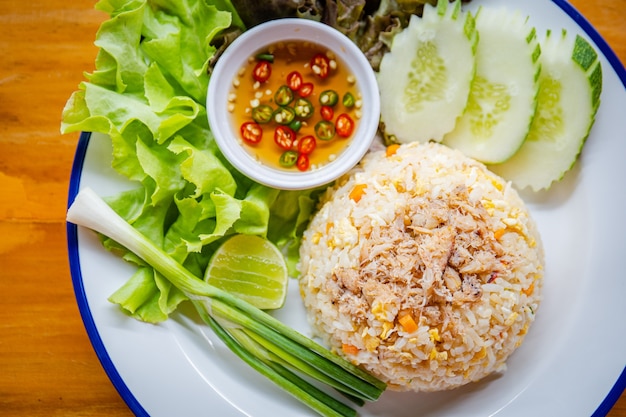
(295,105)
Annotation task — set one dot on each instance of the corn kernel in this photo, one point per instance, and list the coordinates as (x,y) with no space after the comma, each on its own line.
(434,335)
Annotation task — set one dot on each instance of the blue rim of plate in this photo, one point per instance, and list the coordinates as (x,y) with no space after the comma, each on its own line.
(77,278)
(79,289)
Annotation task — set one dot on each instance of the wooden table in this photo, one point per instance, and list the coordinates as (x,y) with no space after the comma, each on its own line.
(47,365)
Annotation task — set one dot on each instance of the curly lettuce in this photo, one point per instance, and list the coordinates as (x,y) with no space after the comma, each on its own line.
(370,24)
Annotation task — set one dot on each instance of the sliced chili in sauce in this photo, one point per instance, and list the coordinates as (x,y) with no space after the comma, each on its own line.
(284,115)
(262,71)
(344,125)
(251,132)
(320,64)
(306,89)
(348,100)
(284,137)
(327,113)
(302,163)
(285,106)
(325,130)
(283,96)
(294,80)
(288,159)
(329,98)
(303,108)
(262,113)
(307,144)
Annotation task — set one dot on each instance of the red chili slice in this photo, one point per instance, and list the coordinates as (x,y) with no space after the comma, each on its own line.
(294,80)
(306,89)
(302,163)
(306,145)
(327,112)
(284,137)
(262,71)
(320,64)
(344,126)
(251,132)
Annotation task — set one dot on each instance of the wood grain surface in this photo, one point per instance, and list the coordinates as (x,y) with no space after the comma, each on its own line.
(47,365)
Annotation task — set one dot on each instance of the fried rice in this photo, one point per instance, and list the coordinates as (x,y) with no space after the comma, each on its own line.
(422,267)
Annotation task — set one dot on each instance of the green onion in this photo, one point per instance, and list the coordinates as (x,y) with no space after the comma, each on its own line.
(280,353)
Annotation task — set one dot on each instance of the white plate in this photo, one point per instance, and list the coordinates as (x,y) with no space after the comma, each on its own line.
(572,362)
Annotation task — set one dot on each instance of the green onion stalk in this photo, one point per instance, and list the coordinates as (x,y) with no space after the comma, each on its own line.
(290,360)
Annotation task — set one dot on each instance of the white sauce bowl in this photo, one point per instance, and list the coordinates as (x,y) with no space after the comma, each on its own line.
(249,44)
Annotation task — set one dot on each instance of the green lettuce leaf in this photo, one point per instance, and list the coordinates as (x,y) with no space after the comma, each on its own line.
(202,169)
(148,94)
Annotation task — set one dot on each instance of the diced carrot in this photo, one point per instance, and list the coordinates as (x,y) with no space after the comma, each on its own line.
(392,149)
(357,192)
(499,233)
(349,349)
(408,323)
(528,291)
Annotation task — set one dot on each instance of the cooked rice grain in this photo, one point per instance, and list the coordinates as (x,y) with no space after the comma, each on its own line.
(429,276)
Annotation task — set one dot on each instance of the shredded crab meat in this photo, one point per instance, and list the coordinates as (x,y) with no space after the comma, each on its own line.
(456,254)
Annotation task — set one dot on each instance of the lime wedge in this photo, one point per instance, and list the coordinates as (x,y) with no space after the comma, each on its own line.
(251,268)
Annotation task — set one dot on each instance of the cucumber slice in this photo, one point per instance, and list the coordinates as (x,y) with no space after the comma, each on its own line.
(569,96)
(424,80)
(503,95)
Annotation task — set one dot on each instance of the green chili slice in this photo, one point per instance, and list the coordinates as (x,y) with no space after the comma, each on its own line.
(348,100)
(283,95)
(262,114)
(295,125)
(329,98)
(265,56)
(288,159)
(284,115)
(325,130)
(303,108)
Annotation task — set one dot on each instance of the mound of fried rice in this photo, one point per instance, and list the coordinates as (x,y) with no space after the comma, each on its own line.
(422,267)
